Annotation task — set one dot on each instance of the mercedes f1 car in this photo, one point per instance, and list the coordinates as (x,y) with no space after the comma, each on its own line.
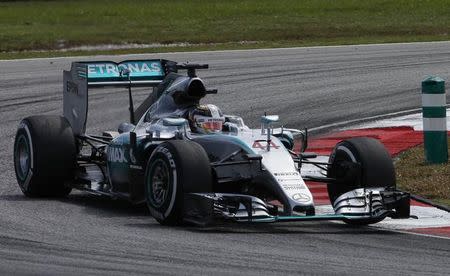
(234,173)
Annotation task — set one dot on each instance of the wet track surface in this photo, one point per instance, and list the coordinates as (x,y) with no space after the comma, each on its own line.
(305,86)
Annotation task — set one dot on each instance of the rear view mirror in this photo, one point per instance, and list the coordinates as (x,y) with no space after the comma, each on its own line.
(174,122)
(268,119)
(300,138)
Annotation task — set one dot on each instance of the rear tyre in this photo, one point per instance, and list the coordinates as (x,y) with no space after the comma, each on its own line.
(357,163)
(173,169)
(44,156)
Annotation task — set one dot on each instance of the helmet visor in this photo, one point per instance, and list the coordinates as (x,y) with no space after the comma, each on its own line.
(209,124)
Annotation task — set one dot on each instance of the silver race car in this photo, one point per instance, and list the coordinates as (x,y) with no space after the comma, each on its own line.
(192,164)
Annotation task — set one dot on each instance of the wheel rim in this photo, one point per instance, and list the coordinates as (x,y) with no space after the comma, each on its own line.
(159,183)
(22,157)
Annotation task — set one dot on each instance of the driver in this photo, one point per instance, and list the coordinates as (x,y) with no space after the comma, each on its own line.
(206,119)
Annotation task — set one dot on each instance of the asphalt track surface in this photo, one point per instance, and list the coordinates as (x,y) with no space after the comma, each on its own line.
(309,87)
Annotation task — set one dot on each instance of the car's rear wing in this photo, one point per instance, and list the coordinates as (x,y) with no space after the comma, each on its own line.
(108,73)
(85,75)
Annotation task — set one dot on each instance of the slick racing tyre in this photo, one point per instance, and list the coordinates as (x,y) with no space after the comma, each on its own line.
(44,156)
(173,169)
(356,163)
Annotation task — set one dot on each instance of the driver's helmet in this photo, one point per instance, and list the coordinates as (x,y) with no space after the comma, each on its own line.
(206,118)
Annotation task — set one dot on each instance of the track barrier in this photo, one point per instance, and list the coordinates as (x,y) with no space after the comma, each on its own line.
(434,120)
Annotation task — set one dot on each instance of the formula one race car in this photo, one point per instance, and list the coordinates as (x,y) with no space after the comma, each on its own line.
(190,163)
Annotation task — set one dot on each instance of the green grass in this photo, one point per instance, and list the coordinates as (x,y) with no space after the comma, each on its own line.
(50,25)
(417,177)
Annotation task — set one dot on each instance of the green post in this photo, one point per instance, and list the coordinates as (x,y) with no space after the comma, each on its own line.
(434,120)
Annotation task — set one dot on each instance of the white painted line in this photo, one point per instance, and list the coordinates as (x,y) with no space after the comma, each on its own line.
(241,50)
(427,217)
(412,120)
(355,122)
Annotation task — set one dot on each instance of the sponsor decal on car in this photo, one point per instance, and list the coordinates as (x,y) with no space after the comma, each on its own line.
(137,68)
(167,152)
(299,197)
(263,145)
(116,155)
(287,174)
(292,187)
(132,157)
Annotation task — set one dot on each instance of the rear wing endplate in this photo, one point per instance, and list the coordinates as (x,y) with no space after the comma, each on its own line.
(85,75)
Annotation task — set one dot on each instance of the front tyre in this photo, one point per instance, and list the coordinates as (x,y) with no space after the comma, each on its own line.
(360,162)
(173,169)
(44,156)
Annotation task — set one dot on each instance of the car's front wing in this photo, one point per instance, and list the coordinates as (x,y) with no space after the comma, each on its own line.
(203,208)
